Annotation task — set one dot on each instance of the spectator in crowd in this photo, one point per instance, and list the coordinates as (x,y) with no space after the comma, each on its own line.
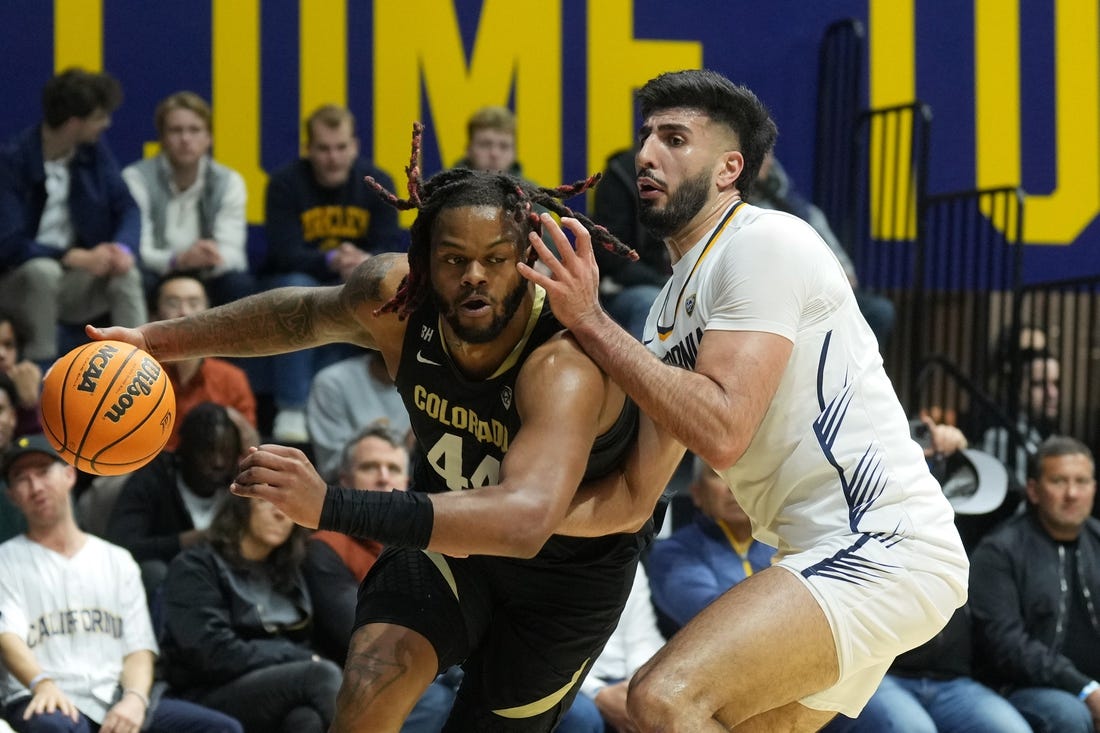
(601,703)
(774,190)
(1036,415)
(11,519)
(1033,587)
(975,482)
(24,373)
(238,618)
(703,560)
(627,289)
(192,207)
(491,142)
(206,379)
(344,398)
(69,229)
(75,634)
(323,220)
(168,505)
(375,459)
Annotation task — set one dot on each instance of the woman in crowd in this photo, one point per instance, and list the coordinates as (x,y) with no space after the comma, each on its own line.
(237,622)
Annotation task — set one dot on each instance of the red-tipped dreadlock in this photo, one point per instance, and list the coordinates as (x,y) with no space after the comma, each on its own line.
(466,187)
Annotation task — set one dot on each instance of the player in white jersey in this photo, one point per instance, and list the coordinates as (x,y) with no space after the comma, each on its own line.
(76,640)
(767,371)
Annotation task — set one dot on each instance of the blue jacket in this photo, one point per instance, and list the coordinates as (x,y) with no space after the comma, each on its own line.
(100,206)
(696,565)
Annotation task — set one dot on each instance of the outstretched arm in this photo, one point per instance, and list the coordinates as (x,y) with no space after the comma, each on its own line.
(560,395)
(714,410)
(276,321)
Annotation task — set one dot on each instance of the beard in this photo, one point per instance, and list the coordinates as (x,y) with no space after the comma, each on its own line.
(487,333)
(683,204)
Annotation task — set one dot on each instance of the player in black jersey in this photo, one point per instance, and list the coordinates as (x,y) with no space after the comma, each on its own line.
(495,560)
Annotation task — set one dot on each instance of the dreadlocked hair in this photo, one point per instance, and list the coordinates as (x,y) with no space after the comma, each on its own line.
(460,187)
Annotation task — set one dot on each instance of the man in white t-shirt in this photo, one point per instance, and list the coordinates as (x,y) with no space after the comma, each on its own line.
(75,636)
(756,358)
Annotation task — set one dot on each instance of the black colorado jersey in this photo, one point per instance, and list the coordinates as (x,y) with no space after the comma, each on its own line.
(463,427)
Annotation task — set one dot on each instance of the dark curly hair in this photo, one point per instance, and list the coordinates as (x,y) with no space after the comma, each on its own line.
(459,187)
(228,527)
(733,105)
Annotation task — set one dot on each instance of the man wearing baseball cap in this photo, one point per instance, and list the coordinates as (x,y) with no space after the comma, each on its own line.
(76,640)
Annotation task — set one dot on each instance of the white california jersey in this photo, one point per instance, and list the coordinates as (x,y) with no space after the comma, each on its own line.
(833,453)
(79,615)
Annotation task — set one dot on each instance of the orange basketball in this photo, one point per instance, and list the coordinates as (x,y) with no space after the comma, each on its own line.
(107,407)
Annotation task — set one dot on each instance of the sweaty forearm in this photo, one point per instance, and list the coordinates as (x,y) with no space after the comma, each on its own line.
(690,406)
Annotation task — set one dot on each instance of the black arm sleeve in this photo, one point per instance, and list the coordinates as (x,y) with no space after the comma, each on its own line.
(397,518)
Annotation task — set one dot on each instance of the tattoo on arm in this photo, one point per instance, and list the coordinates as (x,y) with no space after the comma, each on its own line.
(278,320)
(365,284)
(261,324)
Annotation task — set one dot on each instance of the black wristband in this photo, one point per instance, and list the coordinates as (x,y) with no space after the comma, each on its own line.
(397,518)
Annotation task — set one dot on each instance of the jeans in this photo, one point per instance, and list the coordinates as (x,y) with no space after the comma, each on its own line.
(434,706)
(295,697)
(582,717)
(914,705)
(44,294)
(1050,710)
(169,716)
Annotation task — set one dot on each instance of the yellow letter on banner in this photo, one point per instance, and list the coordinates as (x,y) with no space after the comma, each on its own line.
(236,95)
(417,45)
(893,82)
(323,58)
(617,65)
(78,34)
(1060,216)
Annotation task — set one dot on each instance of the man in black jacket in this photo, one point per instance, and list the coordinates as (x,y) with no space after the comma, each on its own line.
(167,506)
(1034,590)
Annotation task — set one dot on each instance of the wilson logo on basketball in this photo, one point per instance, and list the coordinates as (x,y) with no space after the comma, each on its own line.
(142,384)
(90,378)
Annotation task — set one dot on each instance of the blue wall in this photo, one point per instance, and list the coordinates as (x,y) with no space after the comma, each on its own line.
(567,67)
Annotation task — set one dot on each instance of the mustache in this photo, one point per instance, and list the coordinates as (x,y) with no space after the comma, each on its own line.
(467,292)
(648,173)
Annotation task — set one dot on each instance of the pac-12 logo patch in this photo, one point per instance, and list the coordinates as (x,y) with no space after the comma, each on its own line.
(689,304)
(506,397)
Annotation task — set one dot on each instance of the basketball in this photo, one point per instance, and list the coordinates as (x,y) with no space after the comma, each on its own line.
(107,407)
